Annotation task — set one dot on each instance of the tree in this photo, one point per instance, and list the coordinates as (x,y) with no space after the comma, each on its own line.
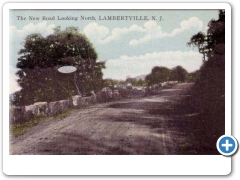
(215,35)
(208,95)
(14,99)
(179,74)
(141,82)
(158,75)
(211,82)
(41,57)
(135,81)
(194,76)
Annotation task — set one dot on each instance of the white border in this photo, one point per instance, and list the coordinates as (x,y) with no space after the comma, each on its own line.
(117,6)
(114,165)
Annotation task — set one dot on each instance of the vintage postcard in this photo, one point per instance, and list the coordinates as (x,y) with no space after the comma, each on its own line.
(145,80)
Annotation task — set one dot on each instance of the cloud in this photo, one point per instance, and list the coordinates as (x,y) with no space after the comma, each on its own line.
(154,31)
(30,28)
(193,24)
(102,34)
(149,31)
(96,32)
(118,33)
(141,65)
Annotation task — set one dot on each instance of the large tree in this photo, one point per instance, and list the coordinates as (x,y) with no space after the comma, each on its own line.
(206,42)
(179,74)
(159,74)
(42,56)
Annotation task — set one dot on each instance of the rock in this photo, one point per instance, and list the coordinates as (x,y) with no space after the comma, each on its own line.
(77,101)
(64,105)
(38,108)
(31,109)
(86,101)
(54,107)
(42,108)
(17,114)
(93,99)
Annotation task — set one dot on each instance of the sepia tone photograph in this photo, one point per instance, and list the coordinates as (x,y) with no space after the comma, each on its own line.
(116,82)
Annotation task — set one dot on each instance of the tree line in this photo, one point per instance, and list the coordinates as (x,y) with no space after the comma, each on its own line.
(129,80)
(161,74)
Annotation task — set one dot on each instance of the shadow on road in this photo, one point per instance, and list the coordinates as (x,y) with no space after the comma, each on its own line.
(191,132)
(83,145)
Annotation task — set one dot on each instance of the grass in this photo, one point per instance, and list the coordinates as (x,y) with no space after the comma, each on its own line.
(63,114)
(20,128)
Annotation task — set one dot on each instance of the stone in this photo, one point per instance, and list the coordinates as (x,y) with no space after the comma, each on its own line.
(77,100)
(38,108)
(54,107)
(85,101)
(17,114)
(64,105)
(41,108)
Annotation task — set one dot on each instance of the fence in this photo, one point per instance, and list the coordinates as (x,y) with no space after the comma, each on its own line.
(21,114)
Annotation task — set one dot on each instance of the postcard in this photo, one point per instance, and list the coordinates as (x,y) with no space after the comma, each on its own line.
(117,89)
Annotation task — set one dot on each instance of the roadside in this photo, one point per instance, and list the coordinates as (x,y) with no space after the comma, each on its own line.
(143,125)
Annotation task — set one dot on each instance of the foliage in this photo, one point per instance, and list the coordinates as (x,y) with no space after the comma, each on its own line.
(33,120)
(158,75)
(41,57)
(210,87)
(19,129)
(135,81)
(112,82)
(14,99)
(208,94)
(215,35)
(163,74)
(178,74)
(193,76)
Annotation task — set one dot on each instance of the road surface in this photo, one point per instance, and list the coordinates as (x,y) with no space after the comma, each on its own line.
(146,125)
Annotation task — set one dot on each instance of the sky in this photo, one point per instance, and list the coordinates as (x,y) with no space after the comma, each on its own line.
(130,47)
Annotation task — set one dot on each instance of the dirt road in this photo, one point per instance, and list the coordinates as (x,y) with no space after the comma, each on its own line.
(146,125)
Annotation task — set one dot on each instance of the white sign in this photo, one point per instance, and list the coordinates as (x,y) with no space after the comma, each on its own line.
(67,69)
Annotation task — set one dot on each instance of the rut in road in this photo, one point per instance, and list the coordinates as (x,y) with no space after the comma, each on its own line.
(146,125)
